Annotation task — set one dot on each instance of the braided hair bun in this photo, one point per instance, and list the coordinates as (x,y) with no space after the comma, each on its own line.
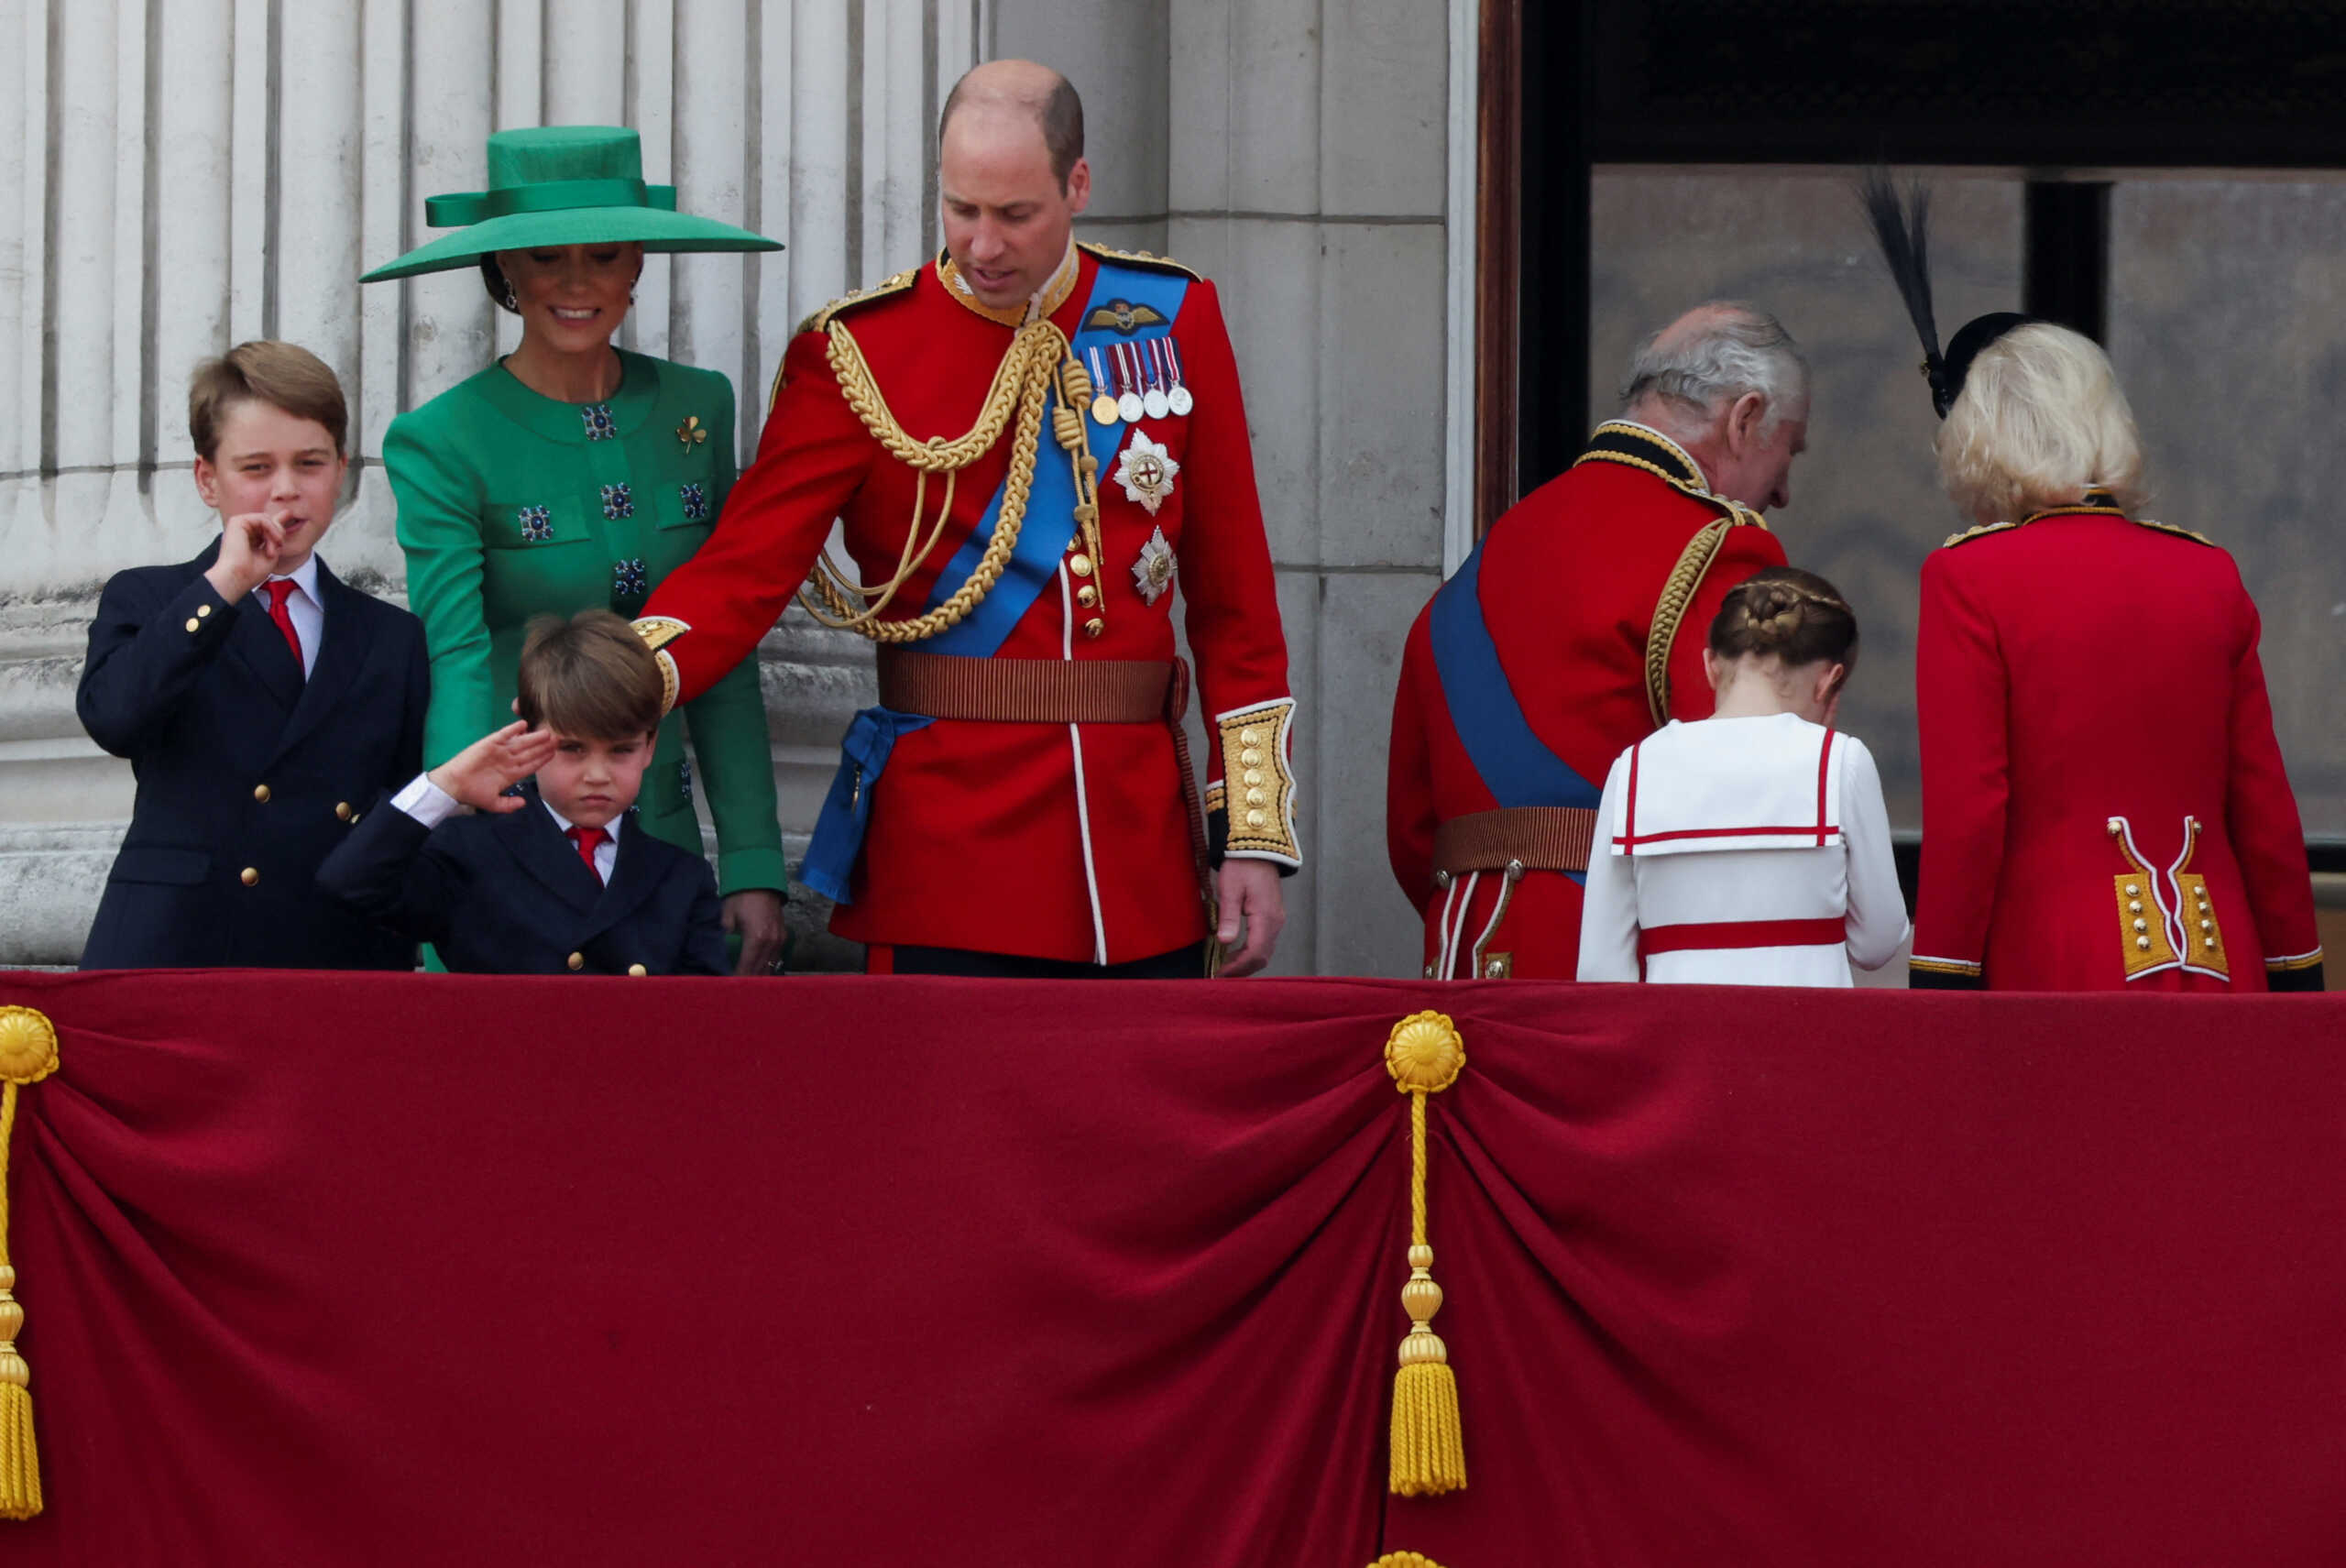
(1788,614)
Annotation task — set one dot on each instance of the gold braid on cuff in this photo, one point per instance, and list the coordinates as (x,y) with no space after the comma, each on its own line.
(657,631)
(1257,791)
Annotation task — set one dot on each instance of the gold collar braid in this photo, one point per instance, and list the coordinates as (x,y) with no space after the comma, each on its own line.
(1038,355)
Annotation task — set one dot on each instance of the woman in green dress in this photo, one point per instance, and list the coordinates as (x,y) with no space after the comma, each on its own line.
(573,474)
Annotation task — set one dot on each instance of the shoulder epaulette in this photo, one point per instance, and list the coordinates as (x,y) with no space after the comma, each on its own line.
(886,288)
(1982,531)
(1142,259)
(2177,530)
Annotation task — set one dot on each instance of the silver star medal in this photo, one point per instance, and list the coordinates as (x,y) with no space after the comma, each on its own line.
(1153,573)
(1146,470)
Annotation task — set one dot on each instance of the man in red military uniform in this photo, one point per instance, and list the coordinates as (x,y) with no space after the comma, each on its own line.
(1028,441)
(1559,644)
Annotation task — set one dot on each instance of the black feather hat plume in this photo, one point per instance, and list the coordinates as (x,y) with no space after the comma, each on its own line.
(1902,227)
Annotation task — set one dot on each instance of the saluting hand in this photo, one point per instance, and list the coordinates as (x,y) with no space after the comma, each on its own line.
(479,775)
(249,545)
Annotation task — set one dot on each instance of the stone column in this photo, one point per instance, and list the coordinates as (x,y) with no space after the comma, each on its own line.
(1309,175)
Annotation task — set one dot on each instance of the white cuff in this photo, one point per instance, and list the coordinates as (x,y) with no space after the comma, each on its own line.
(425,801)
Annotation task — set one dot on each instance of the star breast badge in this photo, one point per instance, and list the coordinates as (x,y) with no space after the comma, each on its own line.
(1146,470)
(1153,573)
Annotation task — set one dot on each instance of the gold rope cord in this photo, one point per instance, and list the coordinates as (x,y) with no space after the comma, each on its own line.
(1040,356)
(28,1054)
(1425,1054)
(1677,593)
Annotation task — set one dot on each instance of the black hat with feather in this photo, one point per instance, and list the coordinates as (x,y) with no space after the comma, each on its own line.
(1902,227)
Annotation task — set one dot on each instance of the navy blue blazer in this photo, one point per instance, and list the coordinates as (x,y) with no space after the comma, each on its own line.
(249,775)
(507,894)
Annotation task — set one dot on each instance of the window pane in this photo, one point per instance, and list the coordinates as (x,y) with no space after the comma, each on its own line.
(2228,324)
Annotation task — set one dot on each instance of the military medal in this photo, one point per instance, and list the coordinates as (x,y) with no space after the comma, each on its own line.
(1104,401)
(1178,399)
(1128,384)
(1146,470)
(1153,401)
(1153,573)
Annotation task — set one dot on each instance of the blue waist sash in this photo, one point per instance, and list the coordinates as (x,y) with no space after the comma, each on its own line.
(1514,764)
(1034,563)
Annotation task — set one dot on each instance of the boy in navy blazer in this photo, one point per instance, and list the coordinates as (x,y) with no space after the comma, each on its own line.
(261,702)
(554,876)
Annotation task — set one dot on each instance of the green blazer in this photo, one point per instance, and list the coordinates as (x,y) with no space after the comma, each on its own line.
(513,505)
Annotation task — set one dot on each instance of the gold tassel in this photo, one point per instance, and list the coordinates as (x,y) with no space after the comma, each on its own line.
(1425,1056)
(28,1054)
(1405,1559)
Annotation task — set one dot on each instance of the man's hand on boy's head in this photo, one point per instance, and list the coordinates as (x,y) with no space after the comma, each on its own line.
(479,775)
(249,545)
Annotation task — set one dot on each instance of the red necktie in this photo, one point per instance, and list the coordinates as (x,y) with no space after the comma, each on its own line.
(587,839)
(278,591)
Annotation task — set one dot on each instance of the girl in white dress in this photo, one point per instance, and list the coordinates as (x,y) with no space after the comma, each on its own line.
(1751,848)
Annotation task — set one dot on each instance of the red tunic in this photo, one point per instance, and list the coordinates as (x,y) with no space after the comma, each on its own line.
(1571,589)
(1050,840)
(2086,687)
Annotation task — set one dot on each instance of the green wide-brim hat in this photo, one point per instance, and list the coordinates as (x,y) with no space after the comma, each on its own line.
(563,185)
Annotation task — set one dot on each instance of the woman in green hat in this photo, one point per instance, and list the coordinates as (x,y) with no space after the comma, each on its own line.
(573,473)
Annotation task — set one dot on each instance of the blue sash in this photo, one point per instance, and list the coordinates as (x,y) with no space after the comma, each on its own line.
(1515,764)
(1043,537)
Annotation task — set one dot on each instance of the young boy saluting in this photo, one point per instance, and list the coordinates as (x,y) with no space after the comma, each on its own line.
(557,878)
(261,702)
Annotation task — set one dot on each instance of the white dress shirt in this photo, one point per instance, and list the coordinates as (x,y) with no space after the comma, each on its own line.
(431,806)
(302,607)
(1736,820)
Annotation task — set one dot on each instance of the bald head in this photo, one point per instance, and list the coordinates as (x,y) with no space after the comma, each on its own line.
(1728,383)
(1010,93)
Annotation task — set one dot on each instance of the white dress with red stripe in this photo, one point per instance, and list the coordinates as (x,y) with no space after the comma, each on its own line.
(1741,852)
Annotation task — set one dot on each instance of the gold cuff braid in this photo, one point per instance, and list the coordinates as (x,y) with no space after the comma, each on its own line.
(657,631)
(1259,789)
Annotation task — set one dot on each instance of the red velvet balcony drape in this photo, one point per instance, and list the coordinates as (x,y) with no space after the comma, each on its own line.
(366,1269)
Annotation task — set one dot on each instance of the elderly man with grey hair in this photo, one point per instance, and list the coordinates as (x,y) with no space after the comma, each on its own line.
(1559,644)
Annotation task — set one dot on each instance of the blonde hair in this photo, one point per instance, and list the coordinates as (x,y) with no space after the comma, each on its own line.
(2040,422)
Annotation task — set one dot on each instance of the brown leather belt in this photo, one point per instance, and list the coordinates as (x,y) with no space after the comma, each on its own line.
(1538,838)
(1026,691)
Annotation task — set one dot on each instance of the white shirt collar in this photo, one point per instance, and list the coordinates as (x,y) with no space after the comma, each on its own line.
(1673,446)
(305,577)
(611,827)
